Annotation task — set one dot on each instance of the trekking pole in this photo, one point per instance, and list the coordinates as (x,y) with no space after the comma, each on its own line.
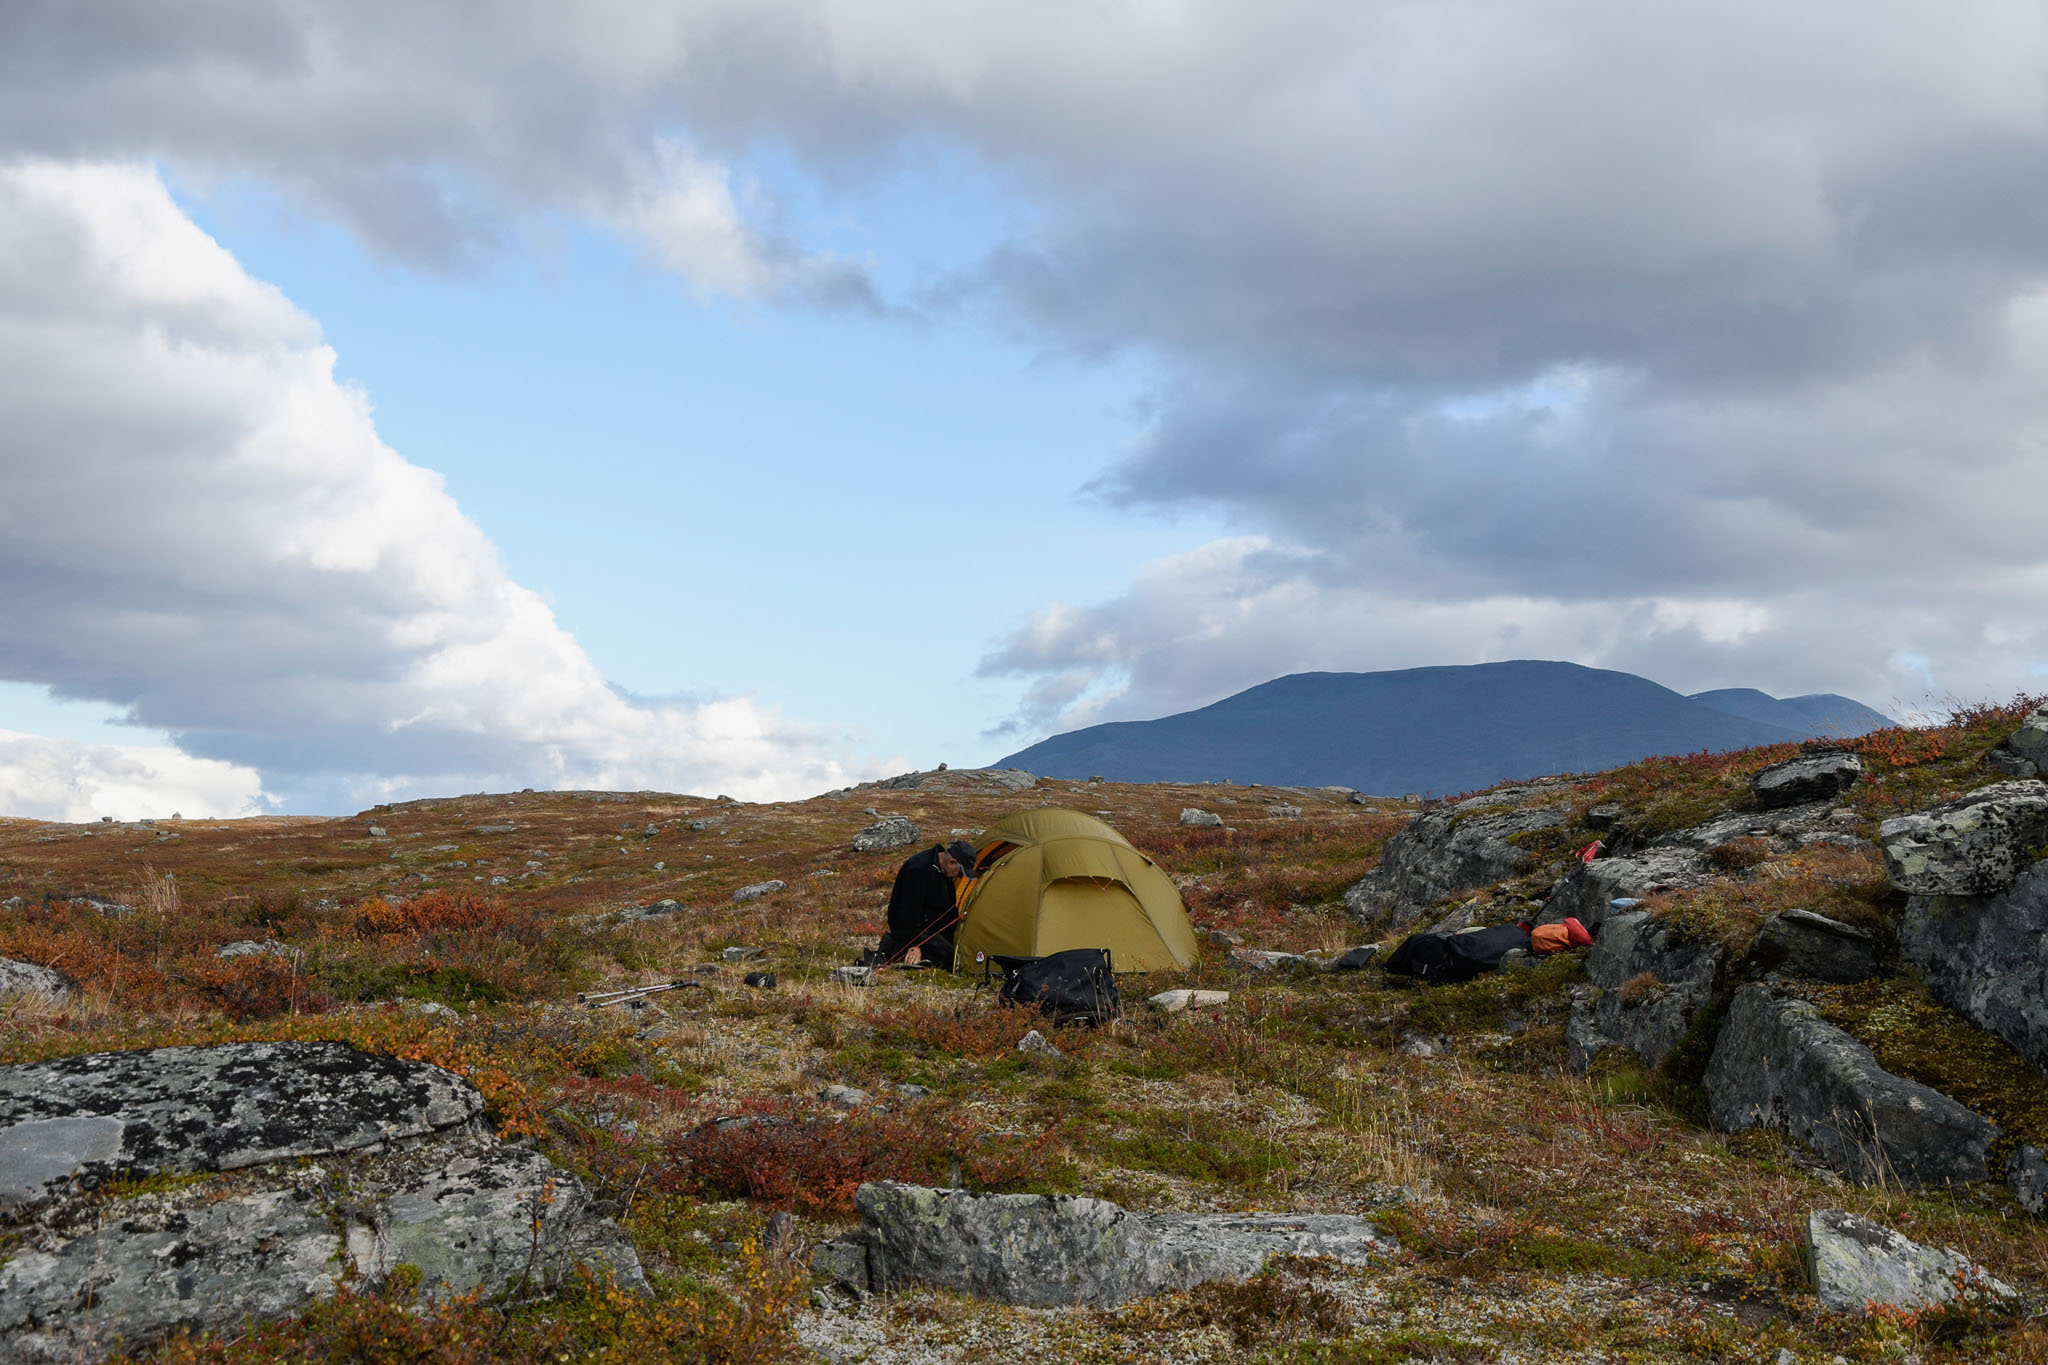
(596,999)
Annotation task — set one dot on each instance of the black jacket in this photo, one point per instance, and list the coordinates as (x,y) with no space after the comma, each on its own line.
(921,901)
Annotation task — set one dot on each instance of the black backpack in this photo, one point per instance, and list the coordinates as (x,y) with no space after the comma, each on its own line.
(1071,987)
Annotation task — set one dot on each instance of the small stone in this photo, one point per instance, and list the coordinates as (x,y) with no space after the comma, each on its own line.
(1223,938)
(853,976)
(1416,1045)
(757,890)
(1173,1002)
(1034,1041)
(743,954)
(845,1096)
(1201,819)
(910,1091)
(1284,812)
(378,832)
(651,831)
(1356,959)
(251,948)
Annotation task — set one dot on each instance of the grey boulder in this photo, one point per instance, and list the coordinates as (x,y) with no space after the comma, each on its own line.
(1778,1065)
(27,978)
(2029,743)
(1200,819)
(891,831)
(1649,984)
(1972,846)
(1059,1250)
(1814,777)
(1452,850)
(757,890)
(1986,957)
(1856,1263)
(1801,943)
(1588,890)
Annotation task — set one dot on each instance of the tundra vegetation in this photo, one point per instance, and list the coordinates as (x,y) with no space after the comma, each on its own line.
(1542,1215)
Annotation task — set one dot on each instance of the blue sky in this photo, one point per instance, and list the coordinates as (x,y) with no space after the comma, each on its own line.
(763,397)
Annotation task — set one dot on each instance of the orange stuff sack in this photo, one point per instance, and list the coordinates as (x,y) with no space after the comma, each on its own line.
(1555,938)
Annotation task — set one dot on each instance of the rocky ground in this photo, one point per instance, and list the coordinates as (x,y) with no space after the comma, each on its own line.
(1532,1164)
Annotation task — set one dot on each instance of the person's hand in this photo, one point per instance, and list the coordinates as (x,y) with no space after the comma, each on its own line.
(912,956)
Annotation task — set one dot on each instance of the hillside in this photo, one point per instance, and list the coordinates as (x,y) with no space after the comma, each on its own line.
(1540,1215)
(1432,730)
(1817,714)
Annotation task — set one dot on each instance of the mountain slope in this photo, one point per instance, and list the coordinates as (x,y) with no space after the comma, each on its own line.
(1431,730)
(1815,714)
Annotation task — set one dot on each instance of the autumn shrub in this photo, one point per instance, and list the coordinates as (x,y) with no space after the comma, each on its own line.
(1737,855)
(258,986)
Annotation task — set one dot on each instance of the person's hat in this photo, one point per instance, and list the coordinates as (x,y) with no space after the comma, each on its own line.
(1580,938)
(962,852)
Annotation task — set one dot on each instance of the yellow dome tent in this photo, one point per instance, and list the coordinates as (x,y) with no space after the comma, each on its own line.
(1050,879)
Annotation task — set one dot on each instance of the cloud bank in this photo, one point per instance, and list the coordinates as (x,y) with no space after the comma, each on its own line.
(201,525)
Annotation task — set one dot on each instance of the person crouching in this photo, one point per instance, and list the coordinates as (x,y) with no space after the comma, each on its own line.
(924,905)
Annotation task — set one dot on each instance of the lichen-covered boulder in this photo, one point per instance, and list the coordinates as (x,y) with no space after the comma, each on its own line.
(1059,1250)
(292,1166)
(1986,958)
(2029,743)
(1778,1065)
(28,978)
(1857,1264)
(891,831)
(1972,846)
(1452,850)
(176,1110)
(1650,983)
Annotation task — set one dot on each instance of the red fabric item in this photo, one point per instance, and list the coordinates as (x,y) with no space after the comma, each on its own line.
(1590,851)
(1580,938)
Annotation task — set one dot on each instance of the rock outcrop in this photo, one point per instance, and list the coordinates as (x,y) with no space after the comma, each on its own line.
(1587,892)
(891,831)
(294,1166)
(1986,957)
(1972,846)
(1856,1264)
(1778,1065)
(1058,1250)
(1803,944)
(1811,777)
(2029,744)
(1452,850)
(1649,984)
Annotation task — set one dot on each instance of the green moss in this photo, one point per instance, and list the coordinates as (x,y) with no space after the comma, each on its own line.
(1684,1071)
(1913,1035)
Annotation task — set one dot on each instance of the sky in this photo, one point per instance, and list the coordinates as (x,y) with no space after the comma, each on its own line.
(760,396)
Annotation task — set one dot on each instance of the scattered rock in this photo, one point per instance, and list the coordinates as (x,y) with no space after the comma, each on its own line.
(379,832)
(1973,846)
(1814,777)
(891,831)
(1856,1264)
(1223,938)
(708,822)
(845,1096)
(1173,1002)
(1649,984)
(757,890)
(1200,819)
(1600,819)
(433,1009)
(1778,1065)
(1587,893)
(1356,959)
(1452,850)
(1034,1041)
(1420,1045)
(1801,943)
(1060,1251)
(1284,812)
(853,976)
(1265,960)
(2029,743)
(2026,1171)
(762,981)
(1986,957)
(744,954)
(27,978)
(251,948)
(843,1262)
(494,829)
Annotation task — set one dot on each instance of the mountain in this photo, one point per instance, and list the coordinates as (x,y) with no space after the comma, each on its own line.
(1815,714)
(1431,730)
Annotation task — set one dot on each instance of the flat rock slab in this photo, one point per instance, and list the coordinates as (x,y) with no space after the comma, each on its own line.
(179,1110)
(1856,1264)
(210,1256)
(1173,1002)
(1057,1250)
(1778,1065)
(1972,846)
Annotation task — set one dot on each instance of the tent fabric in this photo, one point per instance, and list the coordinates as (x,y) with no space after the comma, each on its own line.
(1067,880)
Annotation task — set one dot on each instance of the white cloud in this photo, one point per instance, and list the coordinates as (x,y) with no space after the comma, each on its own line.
(201,525)
(61,779)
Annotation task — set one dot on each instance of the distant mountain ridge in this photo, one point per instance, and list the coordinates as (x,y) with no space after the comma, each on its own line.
(1437,730)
